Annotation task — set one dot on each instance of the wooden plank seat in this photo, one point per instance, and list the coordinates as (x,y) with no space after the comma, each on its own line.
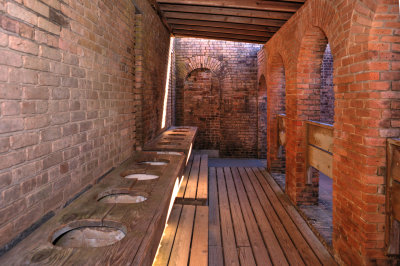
(185,240)
(119,221)
(194,186)
(174,139)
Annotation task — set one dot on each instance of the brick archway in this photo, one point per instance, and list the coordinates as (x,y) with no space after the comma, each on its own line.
(276,105)
(202,62)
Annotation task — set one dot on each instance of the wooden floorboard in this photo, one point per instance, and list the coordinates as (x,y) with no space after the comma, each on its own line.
(248,221)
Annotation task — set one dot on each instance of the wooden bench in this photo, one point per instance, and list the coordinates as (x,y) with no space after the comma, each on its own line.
(174,139)
(194,186)
(185,240)
(97,219)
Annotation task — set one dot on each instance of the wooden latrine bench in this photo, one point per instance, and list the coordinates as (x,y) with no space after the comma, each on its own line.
(119,221)
(174,139)
(194,186)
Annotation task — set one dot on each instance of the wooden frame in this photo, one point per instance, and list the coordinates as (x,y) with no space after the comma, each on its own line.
(319,148)
(392,228)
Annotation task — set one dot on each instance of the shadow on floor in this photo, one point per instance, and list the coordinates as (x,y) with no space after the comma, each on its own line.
(319,216)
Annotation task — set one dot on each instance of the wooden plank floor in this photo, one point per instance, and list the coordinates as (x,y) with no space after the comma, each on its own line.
(250,222)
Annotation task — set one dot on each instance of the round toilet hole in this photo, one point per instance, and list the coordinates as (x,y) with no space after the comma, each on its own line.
(142,176)
(122,198)
(155,163)
(177,134)
(87,236)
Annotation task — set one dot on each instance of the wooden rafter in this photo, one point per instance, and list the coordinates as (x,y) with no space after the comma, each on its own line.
(227,11)
(238,20)
(221,18)
(248,4)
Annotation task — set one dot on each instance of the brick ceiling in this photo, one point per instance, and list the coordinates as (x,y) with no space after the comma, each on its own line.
(235,20)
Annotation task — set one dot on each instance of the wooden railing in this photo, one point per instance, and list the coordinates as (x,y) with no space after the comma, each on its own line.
(392,228)
(319,148)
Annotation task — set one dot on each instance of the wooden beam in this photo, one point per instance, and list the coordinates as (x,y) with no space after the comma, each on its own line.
(221,18)
(226,11)
(222,35)
(221,30)
(251,4)
(201,36)
(320,160)
(216,24)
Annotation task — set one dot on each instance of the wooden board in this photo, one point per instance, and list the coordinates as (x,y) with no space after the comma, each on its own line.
(167,240)
(292,254)
(184,140)
(242,240)
(194,188)
(181,249)
(260,251)
(202,185)
(305,250)
(199,250)
(320,160)
(265,225)
(320,136)
(395,200)
(228,235)
(283,205)
(214,229)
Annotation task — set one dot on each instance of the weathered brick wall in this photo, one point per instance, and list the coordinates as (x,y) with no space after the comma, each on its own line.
(364,40)
(235,66)
(151,64)
(202,94)
(262,105)
(67,99)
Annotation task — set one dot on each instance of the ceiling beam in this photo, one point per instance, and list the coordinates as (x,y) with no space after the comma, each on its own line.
(249,4)
(181,35)
(221,18)
(221,30)
(221,35)
(216,24)
(226,11)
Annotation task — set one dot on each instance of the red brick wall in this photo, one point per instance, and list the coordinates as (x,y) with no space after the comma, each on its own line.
(67,99)
(235,65)
(202,94)
(151,65)
(262,105)
(364,40)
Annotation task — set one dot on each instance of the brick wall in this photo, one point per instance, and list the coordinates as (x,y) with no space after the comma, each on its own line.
(364,41)
(67,99)
(151,62)
(262,105)
(234,65)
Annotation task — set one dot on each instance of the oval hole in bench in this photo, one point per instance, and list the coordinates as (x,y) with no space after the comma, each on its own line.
(122,196)
(174,138)
(157,162)
(142,177)
(88,234)
(177,134)
(180,130)
(168,143)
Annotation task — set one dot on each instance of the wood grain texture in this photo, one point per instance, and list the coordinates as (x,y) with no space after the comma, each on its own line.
(320,137)
(199,250)
(320,160)
(278,198)
(228,235)
(143,222)
(257,243)
(181,250)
